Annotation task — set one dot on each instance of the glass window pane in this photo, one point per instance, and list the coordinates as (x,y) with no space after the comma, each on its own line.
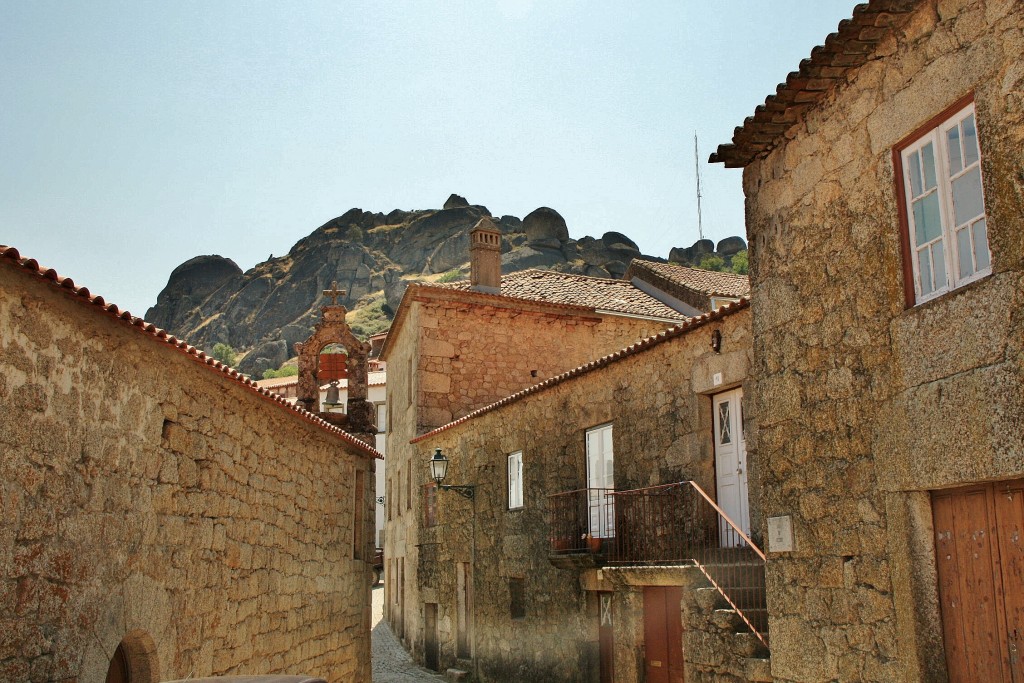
(971,153)
(953,146)
(927,225)
(914,161)
(967,199)
(925,268)
(724,436)
(939,265)
(963,249)
(928,162)
(981,244)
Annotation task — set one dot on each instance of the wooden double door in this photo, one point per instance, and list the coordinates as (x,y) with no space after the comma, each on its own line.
(663,634)
(979,549)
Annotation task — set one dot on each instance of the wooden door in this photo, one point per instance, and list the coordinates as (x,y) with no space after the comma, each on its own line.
(118,671)
(731,462)
(981,580)
(663,634)
(605,638)
(431,651)
(463,611)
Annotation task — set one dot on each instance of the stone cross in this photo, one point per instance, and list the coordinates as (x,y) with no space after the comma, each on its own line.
(334,293)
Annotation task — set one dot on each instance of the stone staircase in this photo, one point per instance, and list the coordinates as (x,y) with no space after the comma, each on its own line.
(718,641)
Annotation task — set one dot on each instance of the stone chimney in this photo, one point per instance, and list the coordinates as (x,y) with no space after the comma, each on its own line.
(485,257)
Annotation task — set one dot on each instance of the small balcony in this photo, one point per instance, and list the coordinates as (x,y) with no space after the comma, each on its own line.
(671,525)
(582,527)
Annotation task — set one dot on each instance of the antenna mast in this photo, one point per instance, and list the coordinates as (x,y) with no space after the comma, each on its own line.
(696,165)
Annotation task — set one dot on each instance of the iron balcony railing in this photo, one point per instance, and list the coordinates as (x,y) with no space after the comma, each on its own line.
(581,521)
(672,524)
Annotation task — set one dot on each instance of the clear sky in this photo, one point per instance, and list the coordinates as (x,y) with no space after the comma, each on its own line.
(136,135)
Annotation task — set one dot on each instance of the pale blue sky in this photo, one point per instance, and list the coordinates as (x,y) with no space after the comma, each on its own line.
(135,135)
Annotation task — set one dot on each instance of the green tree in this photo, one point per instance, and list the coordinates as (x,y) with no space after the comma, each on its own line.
(711,262)
(224,353)
(451,276)
(740,265)
(283,371)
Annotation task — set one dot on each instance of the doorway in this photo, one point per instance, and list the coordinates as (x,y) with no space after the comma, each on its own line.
(431,651)
(605,638)
(663,634)
(979,553)
(463,611)
(731,463)
(600,481)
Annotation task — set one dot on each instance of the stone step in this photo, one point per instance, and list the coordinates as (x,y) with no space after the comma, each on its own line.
(747,645)
(730,620)
(757,670)
(456,675)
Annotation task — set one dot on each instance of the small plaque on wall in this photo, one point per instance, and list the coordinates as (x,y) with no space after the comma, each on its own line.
(780,534)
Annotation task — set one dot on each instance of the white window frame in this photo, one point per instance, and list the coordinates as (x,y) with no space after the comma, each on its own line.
(600,479)
(515,480)
(947,239)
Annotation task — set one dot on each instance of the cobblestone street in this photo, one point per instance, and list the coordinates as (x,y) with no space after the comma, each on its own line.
(391,663)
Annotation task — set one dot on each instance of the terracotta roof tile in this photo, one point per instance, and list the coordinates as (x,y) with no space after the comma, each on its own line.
(614,296)
(706,281)
(828,66)
(631,350)
(11,256)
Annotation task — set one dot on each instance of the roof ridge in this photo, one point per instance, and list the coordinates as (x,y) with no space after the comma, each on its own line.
(695,268)
(12,255)
(632,349)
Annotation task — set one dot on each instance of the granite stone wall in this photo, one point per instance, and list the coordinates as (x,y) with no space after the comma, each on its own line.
(449,357)
(148,501)
(864,404)
(471,355)
(659,404)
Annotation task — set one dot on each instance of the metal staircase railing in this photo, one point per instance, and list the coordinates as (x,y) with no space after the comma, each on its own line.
(672,524)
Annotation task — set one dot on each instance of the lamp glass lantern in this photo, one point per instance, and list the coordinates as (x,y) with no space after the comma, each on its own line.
(438,466)
(439,470)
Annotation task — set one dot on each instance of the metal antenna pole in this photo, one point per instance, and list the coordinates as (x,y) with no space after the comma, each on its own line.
(696,165)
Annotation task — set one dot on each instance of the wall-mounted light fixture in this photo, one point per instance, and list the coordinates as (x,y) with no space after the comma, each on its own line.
(439,470)
(716,341)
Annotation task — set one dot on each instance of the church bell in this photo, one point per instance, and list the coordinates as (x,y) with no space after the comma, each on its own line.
(333,395)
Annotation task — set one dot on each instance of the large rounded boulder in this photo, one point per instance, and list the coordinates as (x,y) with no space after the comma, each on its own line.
(545,226)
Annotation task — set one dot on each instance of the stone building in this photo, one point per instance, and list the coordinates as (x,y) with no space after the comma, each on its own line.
(162,517)
(545,574)
(885,190)
(455,348)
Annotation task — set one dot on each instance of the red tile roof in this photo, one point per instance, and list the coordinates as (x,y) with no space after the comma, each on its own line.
(632,350)
(705,281)
(11,256)
(828,66)
(613,296)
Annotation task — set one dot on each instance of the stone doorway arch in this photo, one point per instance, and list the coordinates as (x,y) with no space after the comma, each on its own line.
(135,660)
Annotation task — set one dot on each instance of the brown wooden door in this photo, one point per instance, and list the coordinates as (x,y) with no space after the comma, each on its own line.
(663,634)
(981,580)
(605,638)
(118,671)
(430,645)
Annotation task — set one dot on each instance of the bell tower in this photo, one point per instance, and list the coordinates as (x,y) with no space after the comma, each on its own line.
(358,418)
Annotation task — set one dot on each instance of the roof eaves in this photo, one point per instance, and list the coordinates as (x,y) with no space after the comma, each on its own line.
(11,256)
(631,350)
(829,65)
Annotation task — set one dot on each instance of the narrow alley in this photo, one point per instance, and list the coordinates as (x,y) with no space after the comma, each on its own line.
(391,663)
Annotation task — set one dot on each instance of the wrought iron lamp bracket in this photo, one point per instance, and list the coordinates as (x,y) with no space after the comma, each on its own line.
(466,491)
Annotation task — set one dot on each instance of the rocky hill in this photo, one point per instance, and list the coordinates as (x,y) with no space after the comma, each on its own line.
(373,256)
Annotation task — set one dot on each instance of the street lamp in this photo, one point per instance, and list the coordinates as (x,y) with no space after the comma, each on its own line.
(439,470)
